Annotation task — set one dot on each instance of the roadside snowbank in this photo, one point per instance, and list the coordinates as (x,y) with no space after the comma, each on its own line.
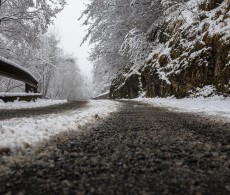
(24,132)
(22,104)
(215,106)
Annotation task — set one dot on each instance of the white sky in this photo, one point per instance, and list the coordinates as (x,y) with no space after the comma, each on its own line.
(72,33)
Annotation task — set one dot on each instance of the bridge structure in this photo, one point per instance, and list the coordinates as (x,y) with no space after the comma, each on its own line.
(14,71)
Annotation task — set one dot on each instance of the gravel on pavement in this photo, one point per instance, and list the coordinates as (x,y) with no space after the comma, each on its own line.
(139,150)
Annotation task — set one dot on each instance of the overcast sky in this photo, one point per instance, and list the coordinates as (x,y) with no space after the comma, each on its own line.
(72,33)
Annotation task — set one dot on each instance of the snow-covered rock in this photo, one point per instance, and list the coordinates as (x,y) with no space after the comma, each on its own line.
(193,52)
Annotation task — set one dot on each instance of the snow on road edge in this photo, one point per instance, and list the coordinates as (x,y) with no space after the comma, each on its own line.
(216,106)
(23,132)
(23,104)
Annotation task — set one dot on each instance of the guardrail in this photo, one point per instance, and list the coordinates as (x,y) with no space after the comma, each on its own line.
(14,71)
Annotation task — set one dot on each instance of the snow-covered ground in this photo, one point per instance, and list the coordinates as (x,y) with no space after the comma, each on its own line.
(22,132)
(23,104)
(217,106)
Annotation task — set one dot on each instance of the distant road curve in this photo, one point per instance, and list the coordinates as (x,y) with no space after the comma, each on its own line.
(54,109)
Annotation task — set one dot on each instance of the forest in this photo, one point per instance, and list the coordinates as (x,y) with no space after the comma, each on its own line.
(25,38)
(161,48)
(139,47)
(120,32)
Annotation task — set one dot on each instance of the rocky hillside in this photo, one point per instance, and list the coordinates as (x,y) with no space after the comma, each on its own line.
(192,52)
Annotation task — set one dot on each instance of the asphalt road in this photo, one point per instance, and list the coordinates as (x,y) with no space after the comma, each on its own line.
(53,109)
(138,150)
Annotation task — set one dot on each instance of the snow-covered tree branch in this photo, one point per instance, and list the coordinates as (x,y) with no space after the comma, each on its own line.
(118,30)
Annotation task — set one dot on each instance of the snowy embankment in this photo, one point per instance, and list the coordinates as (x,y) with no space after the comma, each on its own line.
(216,106)
(23,104)
(24,132)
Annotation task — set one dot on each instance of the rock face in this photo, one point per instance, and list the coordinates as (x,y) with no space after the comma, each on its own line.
(193,51)
(123,87)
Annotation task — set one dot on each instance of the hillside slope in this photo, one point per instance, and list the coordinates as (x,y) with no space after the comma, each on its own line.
(193,52)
